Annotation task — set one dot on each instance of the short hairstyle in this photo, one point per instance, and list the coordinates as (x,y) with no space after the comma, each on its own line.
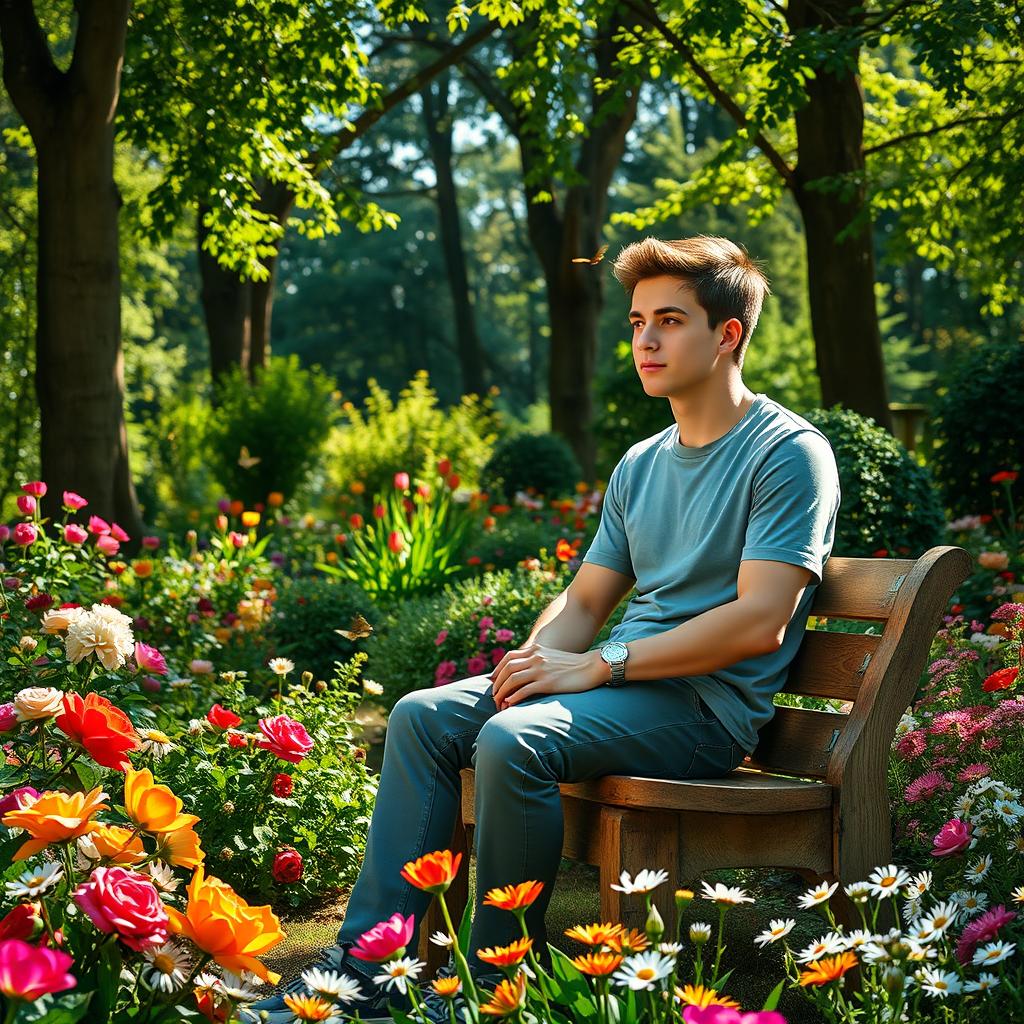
(724,279)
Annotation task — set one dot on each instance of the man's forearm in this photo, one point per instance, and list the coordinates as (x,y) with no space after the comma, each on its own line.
(565,625)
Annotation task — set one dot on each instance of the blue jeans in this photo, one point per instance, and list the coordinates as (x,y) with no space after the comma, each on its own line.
(654,728)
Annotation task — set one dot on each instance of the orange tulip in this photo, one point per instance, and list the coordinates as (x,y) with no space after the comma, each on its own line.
(513,897)
(222,924)
(153,808)
(275,499)
(117,845)
(250,519)
(143,569)
(597,964)
(507,999)
(505,956)
(181,848)
(433,872)
(55,818)
(820,972)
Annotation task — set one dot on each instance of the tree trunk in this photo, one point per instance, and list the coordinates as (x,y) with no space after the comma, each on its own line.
(79,364)
(438,122)
(840,274)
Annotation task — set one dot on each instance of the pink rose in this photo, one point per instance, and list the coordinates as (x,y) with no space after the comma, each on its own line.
(285,738)
(74,534)
(108,545)
(485,623)
(25,534)
(8,717)
(954,837)
(73,502)
(118,534)
(36,488)
(26,504)
(497,653)
(445,671)
(99,527)
(18,799)
(476,665)
(401,481)
(504,636)
(441,637)
(28,972)
(149,659)
(385,940)
(126,904)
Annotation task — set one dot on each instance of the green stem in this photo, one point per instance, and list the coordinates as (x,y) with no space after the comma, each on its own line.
(62,769)
(534,962)
(721,945)
(12,1011)
(460,960)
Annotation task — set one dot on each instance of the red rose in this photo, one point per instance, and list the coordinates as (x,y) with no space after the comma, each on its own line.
(287,866)
(222,717)
(39,602)
(124,903)
(1007,476)
(237,739)
(1001,680)
(23,922)
(283,785)
(106,732)
(285,737)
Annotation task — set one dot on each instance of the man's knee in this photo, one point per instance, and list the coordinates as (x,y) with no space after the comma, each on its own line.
(502,743)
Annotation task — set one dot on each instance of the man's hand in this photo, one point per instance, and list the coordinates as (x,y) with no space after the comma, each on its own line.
(533,670)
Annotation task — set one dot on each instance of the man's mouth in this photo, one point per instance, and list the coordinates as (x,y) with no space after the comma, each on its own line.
(648,367)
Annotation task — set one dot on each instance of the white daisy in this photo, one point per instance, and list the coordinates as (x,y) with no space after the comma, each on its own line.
(441,939)
(919,951)
(169,967)
(156,742)
(398,972)
(993,953)
(858,891)
(972,901)
(819,894)
(964,805)
(1008,811)
(38,879)
(241,988)
(985,981)
(700,931)
(163,875)
(1018,894)
(983,786)
(776,930)
(827,945)
(643,970)
(1016,845)
(670,948)
(281,666)
(938,922)
(911,910)
(731,895)
(939,984)
(979,869)
(918,885)
(888,881)
(908,723)
(645,881)
(858,938)
(875,952)
(1005,792)
(332,985)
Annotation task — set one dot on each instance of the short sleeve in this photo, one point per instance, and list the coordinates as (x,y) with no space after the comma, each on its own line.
(795,500)
(610,546)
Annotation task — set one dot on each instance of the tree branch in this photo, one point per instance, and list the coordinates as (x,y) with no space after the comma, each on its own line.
(31,77)
(948,126)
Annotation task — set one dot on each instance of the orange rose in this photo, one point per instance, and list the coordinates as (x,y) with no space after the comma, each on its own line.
(153,808)
(117,844)
(55,818)
(181,848)
(104,731)
(222,924)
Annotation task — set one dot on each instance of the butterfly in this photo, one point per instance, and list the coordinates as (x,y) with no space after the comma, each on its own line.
(245,460)
(592,260)
(358,629)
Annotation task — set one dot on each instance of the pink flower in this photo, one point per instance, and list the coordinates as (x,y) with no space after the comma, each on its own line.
(385,940)
(441,637)
(1008,612)
(954,837)
(5,532)
(718,1014)
(149,659)
(151,543)
(912,745)
(285,738)
(8,717)
(487,600)
(239,540)
(485,623)
(497,653)
(982,929)
(200,667)
(401,481)
(992,743)
(108,545)
(476,665)
(118,534)
(972,772)
(25,534)
(98,527)
(927,785)
(36,488)
(504,636)
(396,542)
(73,502)
(28,972)
(26,504)
(74,534)
(445,671)
(126,904)
(18,799)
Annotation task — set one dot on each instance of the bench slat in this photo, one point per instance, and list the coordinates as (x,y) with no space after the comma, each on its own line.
(860,588)
(831,664)
(798,742)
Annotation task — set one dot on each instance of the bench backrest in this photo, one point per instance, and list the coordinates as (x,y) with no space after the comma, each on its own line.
(876,674)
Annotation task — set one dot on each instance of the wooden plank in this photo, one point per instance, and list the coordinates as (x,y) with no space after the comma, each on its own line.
(860,588)
(831,664)
(798,742)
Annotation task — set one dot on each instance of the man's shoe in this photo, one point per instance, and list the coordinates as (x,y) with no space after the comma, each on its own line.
(374,1005)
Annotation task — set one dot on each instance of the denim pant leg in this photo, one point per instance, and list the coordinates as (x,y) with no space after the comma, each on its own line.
(658,729)
(429,739)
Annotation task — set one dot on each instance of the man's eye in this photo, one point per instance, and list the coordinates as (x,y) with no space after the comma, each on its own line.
(671,320)
(636,324)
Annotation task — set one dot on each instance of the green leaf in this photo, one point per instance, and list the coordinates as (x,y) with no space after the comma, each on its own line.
(773,997)
(71,1009)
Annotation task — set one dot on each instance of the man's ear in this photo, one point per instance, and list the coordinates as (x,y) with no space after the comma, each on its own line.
(732,332)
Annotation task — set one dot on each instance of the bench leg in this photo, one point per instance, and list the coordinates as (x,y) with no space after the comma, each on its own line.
(456,898)
(630,841)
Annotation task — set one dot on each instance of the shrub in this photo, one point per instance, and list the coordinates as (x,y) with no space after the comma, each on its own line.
(888,501)
(977,427)
(543,462)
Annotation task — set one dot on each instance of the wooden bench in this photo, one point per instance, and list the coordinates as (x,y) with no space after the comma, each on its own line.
(812,797)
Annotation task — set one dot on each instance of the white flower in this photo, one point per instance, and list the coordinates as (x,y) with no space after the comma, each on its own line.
(104,632)
(993,953)
(988,641)
(875,952)
(858,938)
(918,885)
(908,723)
(1005,792)
(1008,811)
(163,876)
(281,667)
(700,931)
(1018,894)
(332,985)
(1016,845)
(776,930)
(372,687)
(979,869)
(964,805)
(938,922)
(725,894)
(169,967)
(918,951)
(36,880)
(911,910)
(56,620)
(985,981)
(888,880)
(858,891)
(827,945)
(966,523)
(645,881)
(819,894)
(156,742)
(670,948)
(971,901)
(983,785)
(398,972)
(441,939)
(641,971)
(36,702)
(241,988)
(938,983)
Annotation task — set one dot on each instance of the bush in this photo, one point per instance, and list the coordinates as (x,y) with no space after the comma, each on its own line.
(888,501)
(410,436)
(543,462)
(282,420)
(978,427)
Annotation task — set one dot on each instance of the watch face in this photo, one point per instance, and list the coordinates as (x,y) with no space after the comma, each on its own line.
(614,652)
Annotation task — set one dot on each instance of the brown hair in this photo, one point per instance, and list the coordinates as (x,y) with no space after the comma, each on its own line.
(724,279)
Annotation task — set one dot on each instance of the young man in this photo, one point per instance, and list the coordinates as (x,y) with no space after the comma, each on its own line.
(723,523)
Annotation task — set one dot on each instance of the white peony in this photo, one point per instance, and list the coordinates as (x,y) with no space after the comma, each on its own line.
(56,620)
(104,632)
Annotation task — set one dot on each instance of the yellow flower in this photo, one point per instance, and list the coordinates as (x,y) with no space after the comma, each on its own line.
(594,934)
(310,1008)
(250,519)
(181,848)
(702,997)
(597,964)
(446,988)
(55,818)
(507,998)
(153,808)
(116,844)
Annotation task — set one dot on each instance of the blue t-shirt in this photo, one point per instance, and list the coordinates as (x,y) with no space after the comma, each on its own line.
(680,520)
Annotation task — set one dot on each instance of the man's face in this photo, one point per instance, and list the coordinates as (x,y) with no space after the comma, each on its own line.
(674,349)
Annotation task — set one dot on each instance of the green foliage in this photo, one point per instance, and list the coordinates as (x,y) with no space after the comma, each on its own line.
(538,463)
(977,427)
(888,500)
(282,419)
(386,437)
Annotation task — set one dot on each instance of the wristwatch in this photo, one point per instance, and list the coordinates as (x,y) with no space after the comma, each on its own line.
(615,655)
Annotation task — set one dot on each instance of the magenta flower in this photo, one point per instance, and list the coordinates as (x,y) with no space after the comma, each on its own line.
(718,1014)
(108,545)
(26,504)
(924,787)
(25,534)
(151,543)
(954,837)
(28,972)
(99,527)
(119,534)
(385,940)
(401,481)
(504,636)
(239,540)
(8,717)
(485,623)
(149,659)
(497,653)
(441,637)
(445,671)
(476,665)
(285,737)
(5,532)
(74,534)
(36,488)
(973,772)
(18,799)
(982,929)
(126,904)
(73,502)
